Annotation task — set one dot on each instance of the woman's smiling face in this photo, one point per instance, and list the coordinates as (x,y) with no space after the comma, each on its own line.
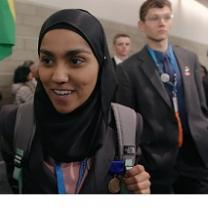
(68,69)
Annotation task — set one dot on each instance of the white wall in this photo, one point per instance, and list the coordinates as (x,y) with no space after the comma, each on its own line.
(190,22)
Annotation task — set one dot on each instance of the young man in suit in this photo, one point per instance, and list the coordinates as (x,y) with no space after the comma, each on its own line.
(163,83)
(122,47)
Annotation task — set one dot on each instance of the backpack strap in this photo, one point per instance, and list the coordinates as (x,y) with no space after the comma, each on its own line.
(126,123)
(23,136)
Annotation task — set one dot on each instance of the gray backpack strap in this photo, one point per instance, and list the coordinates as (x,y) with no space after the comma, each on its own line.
(23,136)
(126,123)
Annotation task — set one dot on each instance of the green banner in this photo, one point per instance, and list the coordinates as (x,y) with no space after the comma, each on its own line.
(7,28)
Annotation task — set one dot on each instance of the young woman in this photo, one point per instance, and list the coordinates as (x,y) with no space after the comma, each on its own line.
(75,134)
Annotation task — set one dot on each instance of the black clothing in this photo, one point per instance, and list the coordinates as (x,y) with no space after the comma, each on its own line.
(114,62)
(205,85)
(141,88)
(81,140)
(38,179)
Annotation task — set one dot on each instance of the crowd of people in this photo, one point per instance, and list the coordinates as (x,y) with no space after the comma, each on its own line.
(74,136)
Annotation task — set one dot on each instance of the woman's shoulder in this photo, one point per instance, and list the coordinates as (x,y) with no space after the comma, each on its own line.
(127,119)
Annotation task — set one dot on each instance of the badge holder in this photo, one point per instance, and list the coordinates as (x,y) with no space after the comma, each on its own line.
(118,169)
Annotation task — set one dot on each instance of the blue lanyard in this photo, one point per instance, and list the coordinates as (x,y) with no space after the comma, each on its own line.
(155,60)
(82,170)
(60,177)
(159,66)
(172,84)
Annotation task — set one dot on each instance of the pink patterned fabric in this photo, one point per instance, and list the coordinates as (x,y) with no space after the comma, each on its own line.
(71,174)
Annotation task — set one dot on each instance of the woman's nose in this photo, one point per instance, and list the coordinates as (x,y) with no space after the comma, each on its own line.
(60,74)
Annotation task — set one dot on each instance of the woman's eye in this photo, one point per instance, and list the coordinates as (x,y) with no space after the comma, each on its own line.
(46,61)
(77,60)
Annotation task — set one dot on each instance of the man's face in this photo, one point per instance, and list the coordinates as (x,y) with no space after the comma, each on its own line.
(157,24)
(122,46)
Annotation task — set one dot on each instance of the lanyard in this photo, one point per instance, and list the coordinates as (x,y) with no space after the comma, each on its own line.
(60,177)
(171,84)
(82,170)
(174,93)
(173,88)
(155,60)
(159,66)
(174,98)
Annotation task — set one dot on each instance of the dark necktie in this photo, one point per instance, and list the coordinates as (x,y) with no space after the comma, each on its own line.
(167,67)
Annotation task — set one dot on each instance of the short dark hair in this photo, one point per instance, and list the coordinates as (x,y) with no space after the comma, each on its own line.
(148,4)
(21,74)
(120,35)
(28,62)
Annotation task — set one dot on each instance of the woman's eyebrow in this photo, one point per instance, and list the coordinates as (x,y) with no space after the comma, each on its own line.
(76,51)
(69,53)
(46,52)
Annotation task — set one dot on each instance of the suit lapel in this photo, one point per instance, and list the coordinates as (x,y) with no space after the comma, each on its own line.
(149,68)
(185,69)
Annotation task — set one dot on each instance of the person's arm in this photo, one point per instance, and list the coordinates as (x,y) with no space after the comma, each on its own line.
(7,124)
(199,84)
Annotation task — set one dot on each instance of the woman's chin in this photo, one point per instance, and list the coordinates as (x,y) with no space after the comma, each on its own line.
(63,108)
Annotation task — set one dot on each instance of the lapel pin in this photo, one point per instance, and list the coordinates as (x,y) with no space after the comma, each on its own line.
(187,71)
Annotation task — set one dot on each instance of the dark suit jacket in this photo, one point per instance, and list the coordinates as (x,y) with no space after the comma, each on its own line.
(38,179)
(114,62)
(205,85)
(141,88)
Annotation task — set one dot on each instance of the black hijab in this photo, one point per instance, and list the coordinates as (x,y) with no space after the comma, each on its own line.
(76,135)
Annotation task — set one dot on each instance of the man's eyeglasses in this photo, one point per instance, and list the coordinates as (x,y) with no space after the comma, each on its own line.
(156,18)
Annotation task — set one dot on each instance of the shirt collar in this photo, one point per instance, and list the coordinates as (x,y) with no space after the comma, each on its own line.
(117,60)
(158,55)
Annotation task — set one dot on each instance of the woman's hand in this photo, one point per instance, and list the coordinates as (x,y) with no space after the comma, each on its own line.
(137,180)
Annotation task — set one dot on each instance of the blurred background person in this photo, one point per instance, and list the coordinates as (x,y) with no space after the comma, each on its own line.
(204,75)
(121,47)
(33,68)
(23,88)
